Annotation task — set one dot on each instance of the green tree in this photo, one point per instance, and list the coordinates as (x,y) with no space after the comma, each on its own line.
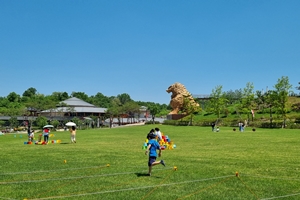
(114,111)
(2,123)
(190,109)
(80,95)
(30,92)
(260,100)
(218,101)
(124,98)
(55,123)
(282,89)
(13,97)
(41,121)
(13,109)
(100,100)
(270,98)
(233,96)
(247,101)
(130,108)
(59,96)
(154,109)
(13,122)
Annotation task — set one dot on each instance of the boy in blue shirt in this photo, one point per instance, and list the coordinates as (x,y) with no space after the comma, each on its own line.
(152,146)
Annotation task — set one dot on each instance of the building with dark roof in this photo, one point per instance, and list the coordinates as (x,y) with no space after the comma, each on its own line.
(74,107)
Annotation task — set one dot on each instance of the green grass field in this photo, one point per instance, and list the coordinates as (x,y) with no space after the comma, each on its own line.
(111,164)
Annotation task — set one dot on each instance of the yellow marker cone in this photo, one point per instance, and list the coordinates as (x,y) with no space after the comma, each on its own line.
(65,161)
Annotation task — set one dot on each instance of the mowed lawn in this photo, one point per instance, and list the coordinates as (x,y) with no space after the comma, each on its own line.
(111,164)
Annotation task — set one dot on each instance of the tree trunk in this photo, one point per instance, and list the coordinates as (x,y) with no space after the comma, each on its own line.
(271,119)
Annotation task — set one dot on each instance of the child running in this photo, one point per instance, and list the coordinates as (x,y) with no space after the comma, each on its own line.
(152,146)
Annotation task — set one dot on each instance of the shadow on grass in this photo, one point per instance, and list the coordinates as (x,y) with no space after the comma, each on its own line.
(145,174)
(141,174)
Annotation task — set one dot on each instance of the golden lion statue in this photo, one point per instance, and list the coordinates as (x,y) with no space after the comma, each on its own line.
(179,93)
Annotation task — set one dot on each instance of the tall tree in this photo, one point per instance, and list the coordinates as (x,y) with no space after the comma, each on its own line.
(13,97)
(30,92)
(233,96)
(80,95)
(190,109)
(13,122)
(130,108)
(154,109)
(59,96)
(124,98)
(282,89)
(41,121)
(218,101)
(100,100)
(260,100)
(247,101)
(270,97)
(114,111)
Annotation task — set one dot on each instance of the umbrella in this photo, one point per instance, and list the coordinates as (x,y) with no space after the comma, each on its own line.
(48,126)
(70,124)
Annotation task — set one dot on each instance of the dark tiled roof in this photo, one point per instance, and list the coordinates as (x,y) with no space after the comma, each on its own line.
(75,102)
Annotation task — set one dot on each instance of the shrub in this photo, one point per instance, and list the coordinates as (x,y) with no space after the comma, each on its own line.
(151,122)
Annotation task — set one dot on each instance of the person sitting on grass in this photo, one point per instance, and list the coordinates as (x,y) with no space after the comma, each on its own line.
(152,146)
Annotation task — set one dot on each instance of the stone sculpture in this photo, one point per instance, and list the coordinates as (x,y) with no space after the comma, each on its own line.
(179,93)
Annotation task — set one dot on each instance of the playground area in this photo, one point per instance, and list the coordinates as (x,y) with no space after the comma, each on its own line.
(110,164)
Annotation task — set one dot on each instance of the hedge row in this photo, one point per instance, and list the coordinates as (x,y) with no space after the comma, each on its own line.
(291,124)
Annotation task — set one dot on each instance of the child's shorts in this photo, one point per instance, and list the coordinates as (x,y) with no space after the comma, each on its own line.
(152,159)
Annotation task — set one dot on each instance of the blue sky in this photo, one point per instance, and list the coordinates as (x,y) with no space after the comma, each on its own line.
(140,47)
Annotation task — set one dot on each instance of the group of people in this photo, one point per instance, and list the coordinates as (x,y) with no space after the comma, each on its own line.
(214,129)
(46,132)
(152,146)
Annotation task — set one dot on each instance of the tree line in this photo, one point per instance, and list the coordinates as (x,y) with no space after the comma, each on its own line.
(31,101)
(246,100)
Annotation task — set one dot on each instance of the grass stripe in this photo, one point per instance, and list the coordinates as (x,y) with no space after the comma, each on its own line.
(136,188)
(70,178)
(279,197)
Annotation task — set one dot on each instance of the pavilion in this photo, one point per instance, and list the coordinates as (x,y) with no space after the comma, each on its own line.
(74,107)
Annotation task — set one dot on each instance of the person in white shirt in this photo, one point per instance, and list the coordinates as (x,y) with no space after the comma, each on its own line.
(158,133)
(31,136)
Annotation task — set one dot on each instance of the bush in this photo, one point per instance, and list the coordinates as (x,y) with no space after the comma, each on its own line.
(151,122)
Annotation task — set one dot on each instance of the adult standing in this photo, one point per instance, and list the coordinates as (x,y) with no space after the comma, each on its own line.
(240,125)
(213,126)
(46,135)
(29,131)
(73,134)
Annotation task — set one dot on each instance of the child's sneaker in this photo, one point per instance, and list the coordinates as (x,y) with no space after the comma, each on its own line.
(162,162)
